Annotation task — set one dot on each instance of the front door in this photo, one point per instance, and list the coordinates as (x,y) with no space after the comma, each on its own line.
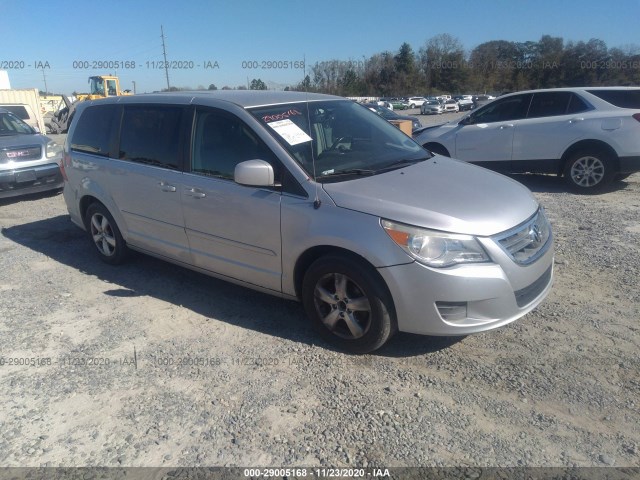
(233,230)
(487,139)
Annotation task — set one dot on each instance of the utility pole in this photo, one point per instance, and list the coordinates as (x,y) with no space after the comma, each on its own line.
(164,53)
(46,90)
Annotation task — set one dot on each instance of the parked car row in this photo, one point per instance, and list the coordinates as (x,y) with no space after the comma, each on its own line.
(391,115)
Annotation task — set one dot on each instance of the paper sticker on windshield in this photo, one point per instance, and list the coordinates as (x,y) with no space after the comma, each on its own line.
(288,130)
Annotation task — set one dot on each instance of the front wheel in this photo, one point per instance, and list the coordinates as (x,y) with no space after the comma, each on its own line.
(588,172)
(105,234)
(348,303)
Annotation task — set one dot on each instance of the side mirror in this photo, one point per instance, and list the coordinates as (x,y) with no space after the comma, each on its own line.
(466,120)
(254,173)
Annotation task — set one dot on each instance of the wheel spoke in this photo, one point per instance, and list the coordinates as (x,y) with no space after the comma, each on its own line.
(110,240)
(96,223)
(104,224)
(341,285)
(325,296)
(97,238)
(360,304)
(353,325)
(331,319)
(105,247)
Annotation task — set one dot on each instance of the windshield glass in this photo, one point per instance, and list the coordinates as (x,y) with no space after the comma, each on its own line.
(96,86)
(12,125)
(329,138)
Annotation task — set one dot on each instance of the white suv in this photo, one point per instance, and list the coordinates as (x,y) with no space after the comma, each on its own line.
(415,102)
(589,135)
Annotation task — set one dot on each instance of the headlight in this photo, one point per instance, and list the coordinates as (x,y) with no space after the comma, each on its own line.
(53,150)
(435,249)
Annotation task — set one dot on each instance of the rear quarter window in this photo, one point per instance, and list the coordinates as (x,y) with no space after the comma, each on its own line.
(94,130)
(619,98)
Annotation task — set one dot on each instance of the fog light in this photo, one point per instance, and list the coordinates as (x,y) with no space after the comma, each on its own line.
(452,311)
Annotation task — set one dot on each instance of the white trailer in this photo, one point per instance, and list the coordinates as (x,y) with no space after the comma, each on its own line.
(24,96)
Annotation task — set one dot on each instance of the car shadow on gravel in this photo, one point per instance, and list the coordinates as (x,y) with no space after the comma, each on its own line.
(142,275)
(554,184)
(30,197)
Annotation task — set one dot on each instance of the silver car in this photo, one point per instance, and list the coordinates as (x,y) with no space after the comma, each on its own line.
(431,107)
(312,198)
(28,160)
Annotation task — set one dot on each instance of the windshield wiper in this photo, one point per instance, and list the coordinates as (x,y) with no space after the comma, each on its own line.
(401,163)
(350,171)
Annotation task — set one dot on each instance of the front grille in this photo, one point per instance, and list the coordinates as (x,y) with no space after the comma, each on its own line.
(527,242)
(528,294)
(20,154)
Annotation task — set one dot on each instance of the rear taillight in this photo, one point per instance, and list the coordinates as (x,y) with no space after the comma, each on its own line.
(66,160)
(636,116)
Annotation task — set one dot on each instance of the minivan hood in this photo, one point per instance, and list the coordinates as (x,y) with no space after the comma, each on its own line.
(440,194)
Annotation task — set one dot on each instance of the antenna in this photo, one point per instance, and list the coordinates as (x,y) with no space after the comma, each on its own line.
(316,200)
(164,53)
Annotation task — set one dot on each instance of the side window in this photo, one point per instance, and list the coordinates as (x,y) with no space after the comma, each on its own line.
(549,104)
(151,135)
(221,141)
(111,87)
(576,105)
(93,130)
(510,108)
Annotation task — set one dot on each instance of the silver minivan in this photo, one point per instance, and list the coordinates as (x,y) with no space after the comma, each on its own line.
(312,198)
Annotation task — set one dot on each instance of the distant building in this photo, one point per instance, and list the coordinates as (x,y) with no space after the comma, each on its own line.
(5,84)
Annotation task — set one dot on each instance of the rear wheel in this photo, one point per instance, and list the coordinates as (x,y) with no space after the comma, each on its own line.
(105,234)
(588,171)
(348,303)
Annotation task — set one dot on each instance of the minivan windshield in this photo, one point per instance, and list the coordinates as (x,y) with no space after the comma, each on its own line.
(336,140)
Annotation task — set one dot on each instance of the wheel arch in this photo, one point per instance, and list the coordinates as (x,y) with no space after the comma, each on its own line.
(438,148)
(85,202)
(306,259)
(589,145)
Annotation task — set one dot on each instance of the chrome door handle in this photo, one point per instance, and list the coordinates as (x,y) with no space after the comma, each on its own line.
(576,120)
(166,187)
(506,125)
(195,193)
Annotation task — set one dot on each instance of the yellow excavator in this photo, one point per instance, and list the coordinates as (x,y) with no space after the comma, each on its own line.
(103,86)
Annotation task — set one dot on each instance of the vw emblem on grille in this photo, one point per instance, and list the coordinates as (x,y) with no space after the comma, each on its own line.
(535,234)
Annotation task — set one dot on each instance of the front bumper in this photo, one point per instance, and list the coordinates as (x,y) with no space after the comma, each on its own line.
(467,299)
(24,180)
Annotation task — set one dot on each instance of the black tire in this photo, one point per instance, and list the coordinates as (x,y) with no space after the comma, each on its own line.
(105,235)
(437,149)
(334,283)
(588,171)
(622,176)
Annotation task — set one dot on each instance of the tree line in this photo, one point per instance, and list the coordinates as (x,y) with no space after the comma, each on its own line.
(442,65)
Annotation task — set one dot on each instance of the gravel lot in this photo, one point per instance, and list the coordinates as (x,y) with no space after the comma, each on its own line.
(149,364)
